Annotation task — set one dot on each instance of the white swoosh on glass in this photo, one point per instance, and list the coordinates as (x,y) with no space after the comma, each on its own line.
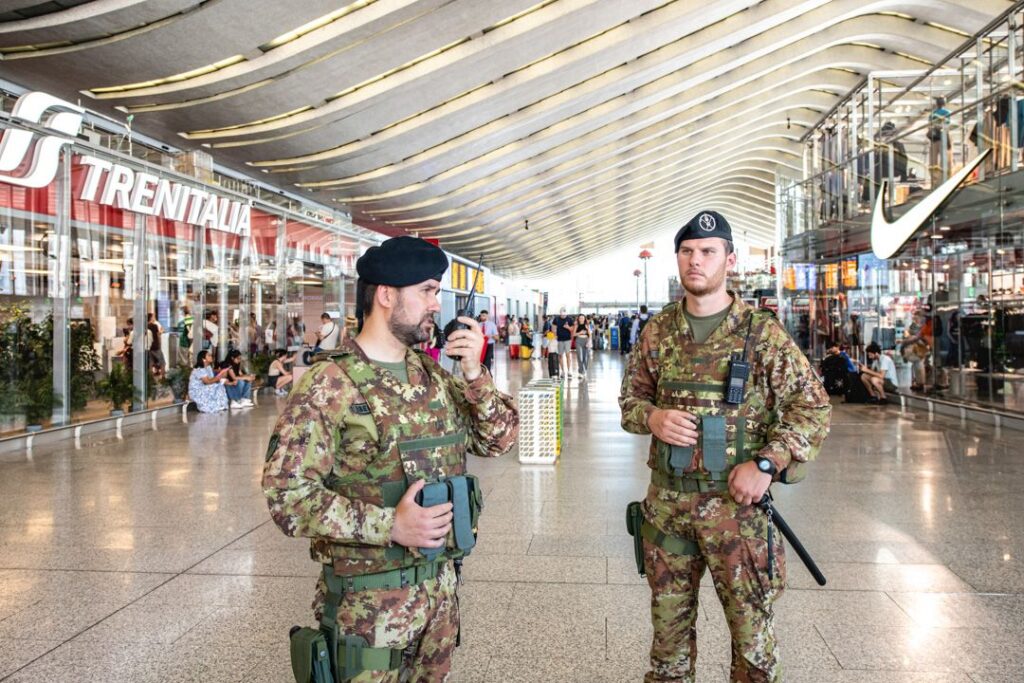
(887,238)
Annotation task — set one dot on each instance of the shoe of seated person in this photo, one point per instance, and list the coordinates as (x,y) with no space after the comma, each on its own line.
(247,403)
(234,405)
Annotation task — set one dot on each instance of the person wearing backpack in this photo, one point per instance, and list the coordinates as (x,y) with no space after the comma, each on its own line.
(732,406)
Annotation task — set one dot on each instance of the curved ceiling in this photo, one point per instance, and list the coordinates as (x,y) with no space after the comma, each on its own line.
(601,122)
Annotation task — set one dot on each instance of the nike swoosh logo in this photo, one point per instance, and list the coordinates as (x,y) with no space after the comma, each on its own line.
(887,238)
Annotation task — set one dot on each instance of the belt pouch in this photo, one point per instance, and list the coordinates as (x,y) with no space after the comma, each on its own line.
(634,521)
(311,661)
(434,493)
(462,521)
(713,442)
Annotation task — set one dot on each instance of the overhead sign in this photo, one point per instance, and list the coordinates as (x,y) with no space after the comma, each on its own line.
(106,182)
(887,238)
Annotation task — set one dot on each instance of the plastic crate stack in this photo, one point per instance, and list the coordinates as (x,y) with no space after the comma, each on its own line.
(540,422)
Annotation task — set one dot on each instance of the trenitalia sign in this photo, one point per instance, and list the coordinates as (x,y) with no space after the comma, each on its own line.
(106,182)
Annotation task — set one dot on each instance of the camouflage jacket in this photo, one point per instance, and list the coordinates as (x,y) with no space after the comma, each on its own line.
(337,427)
(785,414)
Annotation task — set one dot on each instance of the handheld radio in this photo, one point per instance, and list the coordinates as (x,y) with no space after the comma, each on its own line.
(454,324)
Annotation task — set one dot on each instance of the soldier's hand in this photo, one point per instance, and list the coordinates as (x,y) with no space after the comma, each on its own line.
(676,427)
(417,526)
(469,344)
(747,484)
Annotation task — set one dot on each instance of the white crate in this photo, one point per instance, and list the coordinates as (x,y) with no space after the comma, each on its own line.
(538,424)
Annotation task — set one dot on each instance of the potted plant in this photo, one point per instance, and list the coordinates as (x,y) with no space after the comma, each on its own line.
(259,365)
(118,388)
(12,406)
(39,400)
(177,379)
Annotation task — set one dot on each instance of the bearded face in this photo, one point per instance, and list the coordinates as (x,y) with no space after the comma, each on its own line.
(412,316)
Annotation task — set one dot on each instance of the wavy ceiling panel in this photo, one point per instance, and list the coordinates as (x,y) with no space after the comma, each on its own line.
(602,122)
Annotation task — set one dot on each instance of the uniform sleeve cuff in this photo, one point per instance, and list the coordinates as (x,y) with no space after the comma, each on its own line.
(778,454)
(378,526)
(480,387)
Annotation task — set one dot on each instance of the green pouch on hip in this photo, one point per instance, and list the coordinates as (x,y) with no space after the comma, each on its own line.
(311,659)
(634,521)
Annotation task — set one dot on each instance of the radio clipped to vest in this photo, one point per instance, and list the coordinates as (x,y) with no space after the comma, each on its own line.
(739,371)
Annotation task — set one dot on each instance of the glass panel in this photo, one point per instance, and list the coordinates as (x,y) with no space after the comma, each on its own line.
(28,278)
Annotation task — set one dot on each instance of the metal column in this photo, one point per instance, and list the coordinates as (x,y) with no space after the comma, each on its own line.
(60,293)
(140,289)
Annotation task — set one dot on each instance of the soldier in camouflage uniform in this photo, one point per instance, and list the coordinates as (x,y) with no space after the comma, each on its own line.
(365,429)
(713,457)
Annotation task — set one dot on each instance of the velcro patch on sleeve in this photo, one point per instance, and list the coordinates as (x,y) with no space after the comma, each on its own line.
(360,408)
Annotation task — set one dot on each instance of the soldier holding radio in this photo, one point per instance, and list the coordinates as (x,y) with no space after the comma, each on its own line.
(368,460)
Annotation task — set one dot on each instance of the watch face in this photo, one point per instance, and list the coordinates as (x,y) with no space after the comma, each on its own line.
(764,465)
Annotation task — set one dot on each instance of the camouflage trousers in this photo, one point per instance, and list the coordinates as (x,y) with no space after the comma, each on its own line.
(733,544)
(423,620)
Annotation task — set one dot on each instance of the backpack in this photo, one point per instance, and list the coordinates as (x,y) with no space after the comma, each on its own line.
(836,376)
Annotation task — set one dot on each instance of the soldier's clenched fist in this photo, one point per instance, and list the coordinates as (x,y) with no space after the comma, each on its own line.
(676,427)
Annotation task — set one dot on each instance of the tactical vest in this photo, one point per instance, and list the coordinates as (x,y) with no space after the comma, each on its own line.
(420,436)
(693,377)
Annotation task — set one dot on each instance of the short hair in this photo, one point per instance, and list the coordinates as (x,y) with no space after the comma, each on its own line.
(325,316)
(280,352)
(484,312)
(729,246)
(369,294)
(873,347)
(643,308)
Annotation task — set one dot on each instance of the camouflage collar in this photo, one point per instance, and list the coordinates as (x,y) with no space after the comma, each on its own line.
(737,317)
(417,373)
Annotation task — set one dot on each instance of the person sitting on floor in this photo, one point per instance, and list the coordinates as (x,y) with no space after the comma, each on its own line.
(880,376)
(280,376)
(205,388)
(238,385)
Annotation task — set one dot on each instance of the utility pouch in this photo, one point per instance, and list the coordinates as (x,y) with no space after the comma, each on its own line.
(462,517)
(634,522)
(713,442)
(434,493)
(311,660)
(679,458)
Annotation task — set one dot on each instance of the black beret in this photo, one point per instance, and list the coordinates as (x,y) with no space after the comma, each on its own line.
(401,261)
(705,224)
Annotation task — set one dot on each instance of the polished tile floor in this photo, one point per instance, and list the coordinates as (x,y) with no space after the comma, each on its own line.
(153,558)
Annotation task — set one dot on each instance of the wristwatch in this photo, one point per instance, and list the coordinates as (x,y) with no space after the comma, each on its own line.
(766,465)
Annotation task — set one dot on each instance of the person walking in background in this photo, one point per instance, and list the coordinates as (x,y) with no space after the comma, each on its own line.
(514,339)
(490,331)
(544,329)
(157,362)
(624,334)
(583,334)
(211,332)
(255,335)
(563,333)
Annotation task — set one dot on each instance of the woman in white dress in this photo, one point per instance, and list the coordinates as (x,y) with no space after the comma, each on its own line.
(205,388)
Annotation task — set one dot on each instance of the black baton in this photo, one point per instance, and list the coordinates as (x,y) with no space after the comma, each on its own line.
(774,516)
